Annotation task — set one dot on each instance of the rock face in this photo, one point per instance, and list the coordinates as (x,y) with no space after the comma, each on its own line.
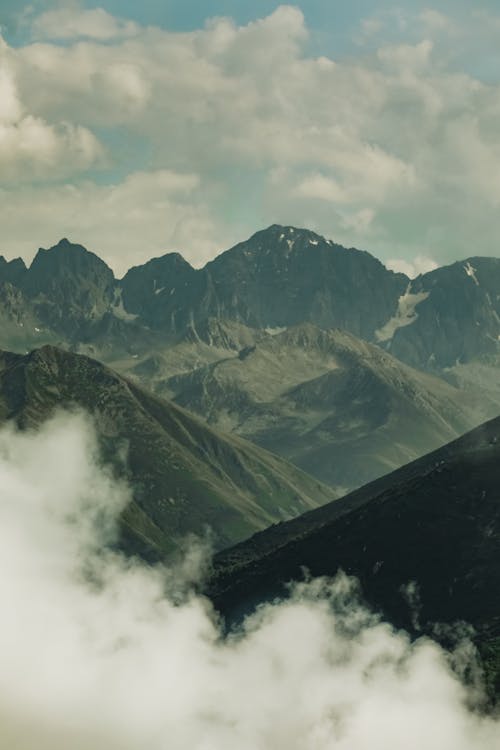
(338,407)
(283,276)
(455,318)
(69,288)
(214,339)
(185,476)
(12,271)
(280,277)
(434,524)
(161,292)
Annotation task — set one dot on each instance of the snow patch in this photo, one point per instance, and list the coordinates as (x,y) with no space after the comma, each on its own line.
(275,331)
(119,310)
(471,271)
(314,242)
(406,314)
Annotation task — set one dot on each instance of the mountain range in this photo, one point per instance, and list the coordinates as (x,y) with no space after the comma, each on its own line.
(358,377)
(280,277)
(309,349)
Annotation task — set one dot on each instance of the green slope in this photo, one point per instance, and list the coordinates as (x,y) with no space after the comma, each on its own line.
(185,476)
(340,408)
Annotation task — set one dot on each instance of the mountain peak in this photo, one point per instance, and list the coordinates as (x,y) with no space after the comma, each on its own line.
(283,233)
(69,256)
(12,270)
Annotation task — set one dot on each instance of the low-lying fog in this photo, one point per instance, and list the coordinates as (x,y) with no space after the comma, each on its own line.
(95,654)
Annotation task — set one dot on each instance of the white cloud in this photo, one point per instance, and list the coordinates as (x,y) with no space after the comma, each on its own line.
(74,22)
(94,653)
(371,27)
(146,214)
(433,20)
(412,268)
(30,147)
(407,57)
(396,150)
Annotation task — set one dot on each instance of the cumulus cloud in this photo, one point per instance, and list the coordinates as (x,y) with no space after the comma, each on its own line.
(395,150)
(412,268)
(31,147)
(74,22)
(97,653)
(433,20)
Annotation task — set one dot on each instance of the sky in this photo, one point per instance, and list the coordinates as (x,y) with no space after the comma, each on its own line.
(143,128)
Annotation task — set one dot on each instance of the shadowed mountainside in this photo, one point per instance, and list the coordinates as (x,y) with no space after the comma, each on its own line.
(433,525)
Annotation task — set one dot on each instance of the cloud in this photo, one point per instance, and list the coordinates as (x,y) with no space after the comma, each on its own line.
(30,147)
(95,652)
(412,268)
(127,222)
(433,20)
(76,23)
(395,150)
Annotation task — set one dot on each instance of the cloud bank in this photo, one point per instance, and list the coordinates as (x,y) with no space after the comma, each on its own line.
(393,150)
(96,654)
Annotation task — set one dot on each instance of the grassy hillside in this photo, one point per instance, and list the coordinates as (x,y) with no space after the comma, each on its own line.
(185,476)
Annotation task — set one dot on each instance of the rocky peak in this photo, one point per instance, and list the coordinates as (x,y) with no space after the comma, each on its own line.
(456,318)
(69,286)
(153,289)
(67,260)
(283,276)
(12,271)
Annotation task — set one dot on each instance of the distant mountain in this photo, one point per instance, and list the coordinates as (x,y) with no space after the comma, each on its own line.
(69,287)
(162,293)
(185,476)
(171,326)
(284,276)
(447,317)
(434,524)
(338,407)
(280,277)
(11,271)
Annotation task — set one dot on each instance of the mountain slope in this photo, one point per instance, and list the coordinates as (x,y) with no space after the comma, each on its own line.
(280,276)
(283,276)
(338,407)
(69,287)
(448,316)
(446,322)
(435,522)
(185,476)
